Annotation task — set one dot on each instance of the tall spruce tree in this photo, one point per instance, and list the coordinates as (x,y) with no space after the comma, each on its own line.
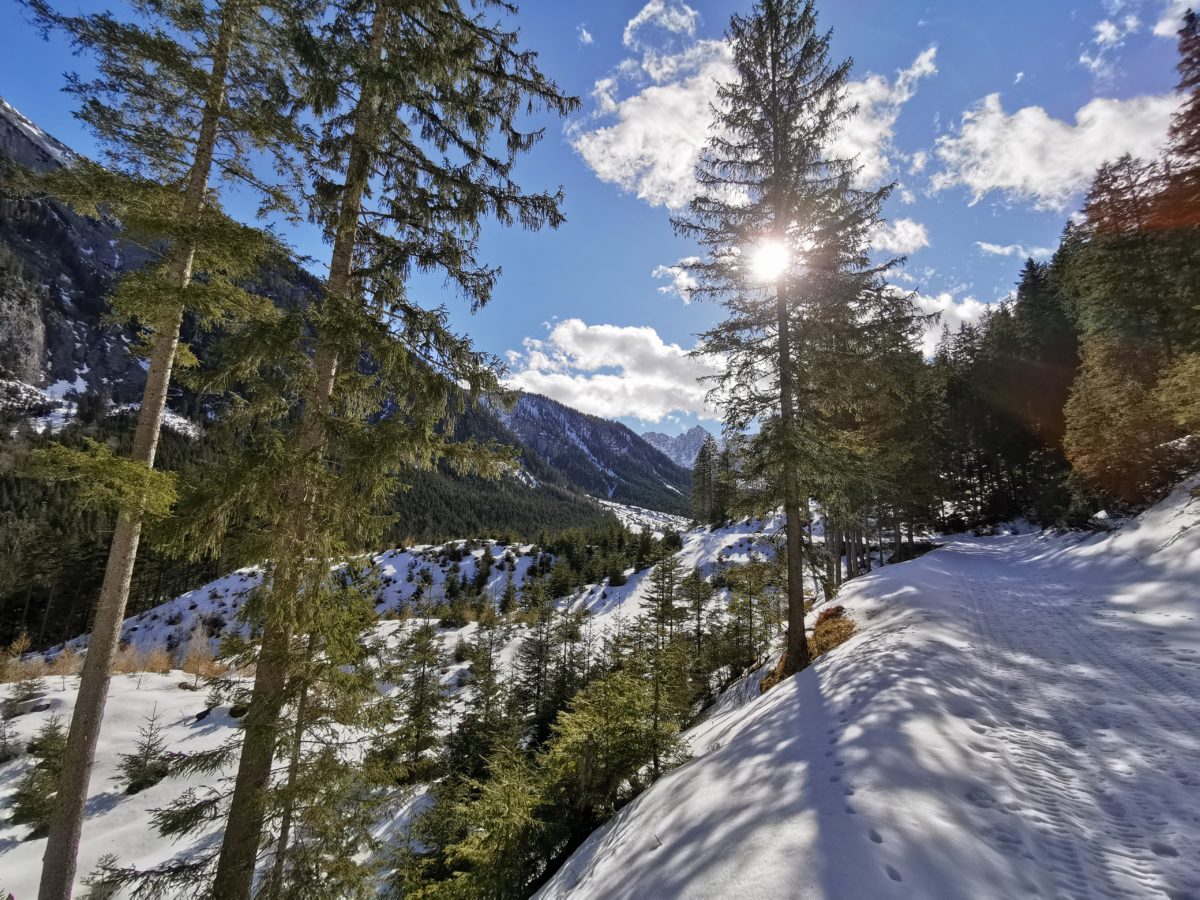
(784,233)
(662,659)
(703,478)
(183,92)
(417,105)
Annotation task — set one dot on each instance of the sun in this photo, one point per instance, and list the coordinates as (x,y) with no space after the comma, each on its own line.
(769,260)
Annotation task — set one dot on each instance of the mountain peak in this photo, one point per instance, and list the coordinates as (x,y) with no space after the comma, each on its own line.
(680,448)
(25,143)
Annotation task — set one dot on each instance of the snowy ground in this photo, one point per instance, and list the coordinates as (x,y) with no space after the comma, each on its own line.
(120,824)
(1017,716)
(638,519)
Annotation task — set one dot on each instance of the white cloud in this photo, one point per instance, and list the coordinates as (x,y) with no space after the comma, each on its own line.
(903,236)
(1171,20)
(1109,36)
(1019,250)
(613,371)
(652,148)
(682,282)
(1032,156)
(1020,77)
(678,18)
(585,36)
(659,132)
(604,93)
(953,313)
(919,160)
(868,136)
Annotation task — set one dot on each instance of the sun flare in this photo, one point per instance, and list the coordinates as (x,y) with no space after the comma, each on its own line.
(769,261)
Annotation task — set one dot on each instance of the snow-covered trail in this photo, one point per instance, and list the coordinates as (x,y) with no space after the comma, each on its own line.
(1016,717)
(1096,724)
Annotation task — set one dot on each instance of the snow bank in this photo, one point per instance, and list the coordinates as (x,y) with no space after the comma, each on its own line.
(1016,716)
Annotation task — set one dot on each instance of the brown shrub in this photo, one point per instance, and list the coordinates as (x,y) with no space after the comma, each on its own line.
(11,664)
(157,660)
(25,669)
(68,662)
(197,658)
(130,659)
(127,660)
(828,634)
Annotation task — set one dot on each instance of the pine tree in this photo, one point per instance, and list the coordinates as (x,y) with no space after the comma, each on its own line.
(419,699)
(325,807)
(696,592)
(182,93)
(785,235)
(409,99)
(483,569)
(1178,204)
(703,476)
(508,600)
(533,675)
(148,764)
(485,718)
(33,801)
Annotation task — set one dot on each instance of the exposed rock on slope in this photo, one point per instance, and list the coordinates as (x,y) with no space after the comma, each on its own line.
(55,269)
(681,448)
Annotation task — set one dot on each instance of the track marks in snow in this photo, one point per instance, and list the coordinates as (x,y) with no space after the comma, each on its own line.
(1093,734)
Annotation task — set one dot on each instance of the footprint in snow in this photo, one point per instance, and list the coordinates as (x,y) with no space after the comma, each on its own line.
(981,798)
(892,873)
(875,836)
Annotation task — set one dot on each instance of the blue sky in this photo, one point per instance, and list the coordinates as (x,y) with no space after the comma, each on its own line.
(989,116)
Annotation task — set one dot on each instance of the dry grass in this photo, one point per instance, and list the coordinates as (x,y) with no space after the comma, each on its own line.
(830,631)
(830,612)
(831,628)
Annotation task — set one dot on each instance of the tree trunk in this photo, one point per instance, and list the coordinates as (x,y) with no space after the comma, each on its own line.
(66,824)
(289,800)
(25,610)
(46,614)
(243,832)
(795,656)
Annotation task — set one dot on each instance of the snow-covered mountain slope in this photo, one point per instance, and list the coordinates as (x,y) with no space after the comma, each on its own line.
(121,824)
(24,142)
(1016,716)
(637,519)
(604,458)
(57,348)
(680,448)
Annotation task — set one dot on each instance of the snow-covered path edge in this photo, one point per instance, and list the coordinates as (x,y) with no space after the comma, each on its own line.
(1017,716)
